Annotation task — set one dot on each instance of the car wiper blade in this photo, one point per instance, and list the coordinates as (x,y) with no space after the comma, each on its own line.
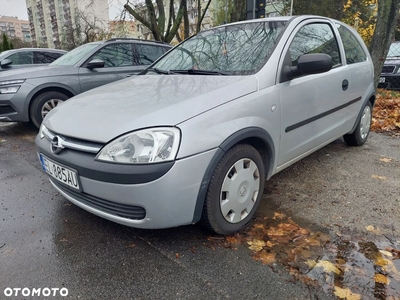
(200,72)
(156,70)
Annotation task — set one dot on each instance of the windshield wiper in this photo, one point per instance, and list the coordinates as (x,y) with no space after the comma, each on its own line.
(156,70)
(199,72)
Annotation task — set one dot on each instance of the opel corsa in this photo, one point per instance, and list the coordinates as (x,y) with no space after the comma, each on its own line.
(194,137)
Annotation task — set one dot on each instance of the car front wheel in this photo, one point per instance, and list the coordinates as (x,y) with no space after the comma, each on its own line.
(43,104)
(235,190)
(361,133)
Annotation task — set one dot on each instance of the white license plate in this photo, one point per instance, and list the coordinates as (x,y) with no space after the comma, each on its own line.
(61,173)
(382,79)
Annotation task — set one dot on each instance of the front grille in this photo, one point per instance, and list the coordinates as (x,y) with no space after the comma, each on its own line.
(388,69)
(6,109)
(117,209)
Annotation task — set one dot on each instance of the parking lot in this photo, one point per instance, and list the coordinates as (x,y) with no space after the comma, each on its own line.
(47,242)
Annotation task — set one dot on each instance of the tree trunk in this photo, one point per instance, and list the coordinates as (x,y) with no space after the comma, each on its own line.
(388,14)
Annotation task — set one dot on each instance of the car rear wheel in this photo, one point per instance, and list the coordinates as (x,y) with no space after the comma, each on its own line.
(235,190)
(361,133)
(43,104)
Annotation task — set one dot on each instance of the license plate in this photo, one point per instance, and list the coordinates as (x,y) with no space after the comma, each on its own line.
(61,173)
(382,79)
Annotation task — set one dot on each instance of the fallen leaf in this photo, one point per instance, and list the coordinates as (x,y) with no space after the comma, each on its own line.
(278,216)
(346,294)
(311,263)
(265,257)
(379,177)
(386,253)
(131,245)
(370,228)
(328,266)
(256,245)
(380,261)
(270,244)
(177,255)
(380,278)
(385,159)
(231,240)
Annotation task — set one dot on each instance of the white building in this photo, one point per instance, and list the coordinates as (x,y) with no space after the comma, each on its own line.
(53,22)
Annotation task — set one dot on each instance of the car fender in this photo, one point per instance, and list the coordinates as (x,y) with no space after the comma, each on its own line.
(236,138)
(371,96)
(48,86)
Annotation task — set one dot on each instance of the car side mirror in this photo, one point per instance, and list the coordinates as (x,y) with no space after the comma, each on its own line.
(308,64)
(95,63)
(5,62)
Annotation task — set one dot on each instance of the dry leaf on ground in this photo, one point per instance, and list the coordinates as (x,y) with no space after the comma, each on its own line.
(256,245)
(346,294)
(379,177)
(385,159)
(328,266)
(380,278)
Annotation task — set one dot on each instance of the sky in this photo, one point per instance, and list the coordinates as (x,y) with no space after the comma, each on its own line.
(17,8)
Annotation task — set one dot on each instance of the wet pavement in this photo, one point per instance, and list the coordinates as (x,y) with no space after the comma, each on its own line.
(327,226)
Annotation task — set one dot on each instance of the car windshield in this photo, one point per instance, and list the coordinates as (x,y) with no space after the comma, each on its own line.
(394,50)
(238,49)
(73,56)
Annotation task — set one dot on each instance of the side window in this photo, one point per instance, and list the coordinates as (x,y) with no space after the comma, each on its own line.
(353,49)
(43,57)
(21,58)
(147,54)
(115,55)
(315,38)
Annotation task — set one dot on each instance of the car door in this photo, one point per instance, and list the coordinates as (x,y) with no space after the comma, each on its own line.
(118,63)
(312,106)
(361,71)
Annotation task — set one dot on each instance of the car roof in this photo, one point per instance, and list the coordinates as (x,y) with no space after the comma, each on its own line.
(36,49)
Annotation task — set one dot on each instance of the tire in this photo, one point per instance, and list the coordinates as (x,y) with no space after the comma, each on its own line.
(43,103)
(361,133)
(240,176)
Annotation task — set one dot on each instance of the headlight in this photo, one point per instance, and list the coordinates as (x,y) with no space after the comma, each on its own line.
(12,82)
(143,146)
(9,90)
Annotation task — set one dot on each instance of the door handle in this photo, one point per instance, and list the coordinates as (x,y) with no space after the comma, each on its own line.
(345,84)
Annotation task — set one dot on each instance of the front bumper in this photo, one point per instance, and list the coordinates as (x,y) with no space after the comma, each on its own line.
(15,107)
(391,81)
(167,201)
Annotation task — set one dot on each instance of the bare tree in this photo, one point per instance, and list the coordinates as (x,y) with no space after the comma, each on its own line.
(162,20)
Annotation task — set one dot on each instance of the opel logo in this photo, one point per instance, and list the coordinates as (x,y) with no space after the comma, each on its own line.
(56,144)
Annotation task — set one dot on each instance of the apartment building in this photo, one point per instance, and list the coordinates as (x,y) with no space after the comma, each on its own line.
(13,27)
(54,23)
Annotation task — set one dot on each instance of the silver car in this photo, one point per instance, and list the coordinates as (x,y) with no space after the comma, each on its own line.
(29,94)
(194,137)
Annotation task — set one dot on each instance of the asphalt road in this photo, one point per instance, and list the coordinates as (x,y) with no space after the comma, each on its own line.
(47,242)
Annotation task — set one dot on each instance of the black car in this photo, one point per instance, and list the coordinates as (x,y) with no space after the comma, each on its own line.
(390,75)
(28,57)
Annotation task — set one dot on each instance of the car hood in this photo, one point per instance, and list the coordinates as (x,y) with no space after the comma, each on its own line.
(34,72)
(143,101)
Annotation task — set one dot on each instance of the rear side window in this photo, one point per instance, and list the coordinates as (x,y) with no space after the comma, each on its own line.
(21,58)
(115,55)
(353,49)
(43,57)
(147,54)
(315,38)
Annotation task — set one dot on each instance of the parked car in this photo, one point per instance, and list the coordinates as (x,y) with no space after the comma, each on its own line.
(390,76)
(29,94)
(28,57)
(194,137)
